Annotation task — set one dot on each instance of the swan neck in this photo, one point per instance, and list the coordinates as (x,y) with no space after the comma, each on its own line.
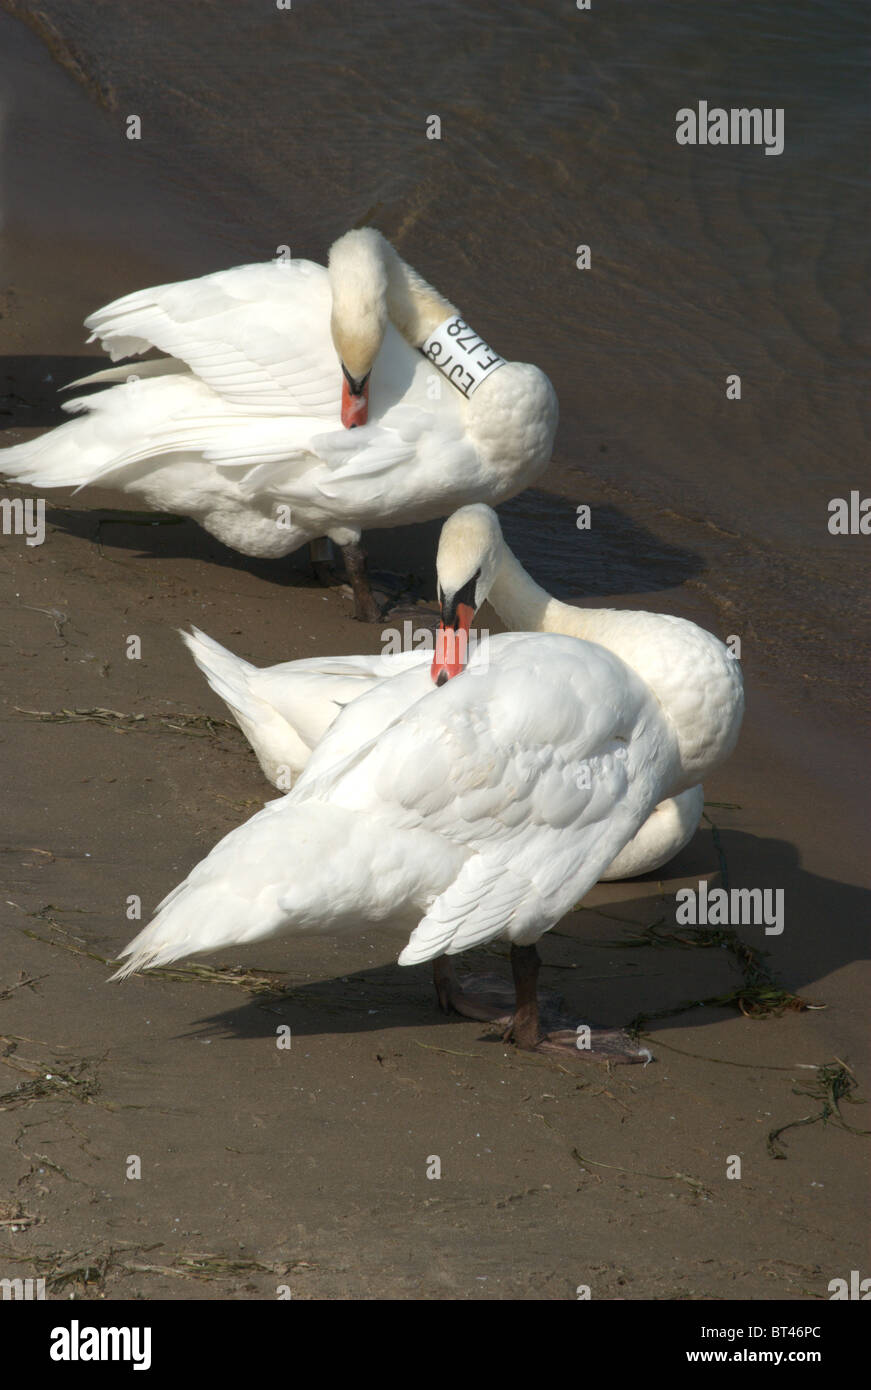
(526,607)
(521,603)
(414,307)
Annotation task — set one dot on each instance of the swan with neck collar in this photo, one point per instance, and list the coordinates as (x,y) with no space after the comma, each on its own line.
(240,423)
(285,710)
(372,286)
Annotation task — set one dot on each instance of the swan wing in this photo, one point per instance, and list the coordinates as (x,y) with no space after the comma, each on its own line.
(251,386)
(541,767)
(258,335)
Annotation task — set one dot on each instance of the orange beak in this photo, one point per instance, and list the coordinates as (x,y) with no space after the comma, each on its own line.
(355,405)
(452,646)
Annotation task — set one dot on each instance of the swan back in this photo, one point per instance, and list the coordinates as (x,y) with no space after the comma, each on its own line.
(695,679)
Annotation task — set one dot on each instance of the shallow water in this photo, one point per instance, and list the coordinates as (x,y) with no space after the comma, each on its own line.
(264,127)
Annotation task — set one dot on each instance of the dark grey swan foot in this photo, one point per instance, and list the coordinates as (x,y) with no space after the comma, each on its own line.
(533,1021)
(581,1044)
(585,1044)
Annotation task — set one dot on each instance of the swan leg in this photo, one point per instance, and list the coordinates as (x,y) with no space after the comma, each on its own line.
(321,551)
(582,1044)
(525,1028)
(366,610)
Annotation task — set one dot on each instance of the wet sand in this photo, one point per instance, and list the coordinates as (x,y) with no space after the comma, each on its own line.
(308,1167)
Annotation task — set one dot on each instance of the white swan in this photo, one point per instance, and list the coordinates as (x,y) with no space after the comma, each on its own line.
(239,426)
(285,710)
(485,810)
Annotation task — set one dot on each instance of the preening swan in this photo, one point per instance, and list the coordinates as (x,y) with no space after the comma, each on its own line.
(285,710)
(485,810)
(239,424)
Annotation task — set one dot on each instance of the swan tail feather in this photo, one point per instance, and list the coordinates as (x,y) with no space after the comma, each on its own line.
(295,866)
(112,430)
(227,674)
(215,906)
(63,457)
(273,739)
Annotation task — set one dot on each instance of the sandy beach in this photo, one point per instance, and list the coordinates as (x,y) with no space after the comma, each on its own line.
(308,1166)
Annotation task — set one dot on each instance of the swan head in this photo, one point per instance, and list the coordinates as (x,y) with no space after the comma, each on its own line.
(358,320)
(469,555)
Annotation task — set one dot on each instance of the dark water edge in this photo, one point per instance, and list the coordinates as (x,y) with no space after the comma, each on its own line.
(263,127)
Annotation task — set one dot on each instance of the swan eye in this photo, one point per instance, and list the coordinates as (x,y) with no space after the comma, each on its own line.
(469,593)
(466,595)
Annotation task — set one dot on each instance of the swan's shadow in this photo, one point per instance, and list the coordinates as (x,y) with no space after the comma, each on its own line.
(29,387)
(598,980)
(619,556)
